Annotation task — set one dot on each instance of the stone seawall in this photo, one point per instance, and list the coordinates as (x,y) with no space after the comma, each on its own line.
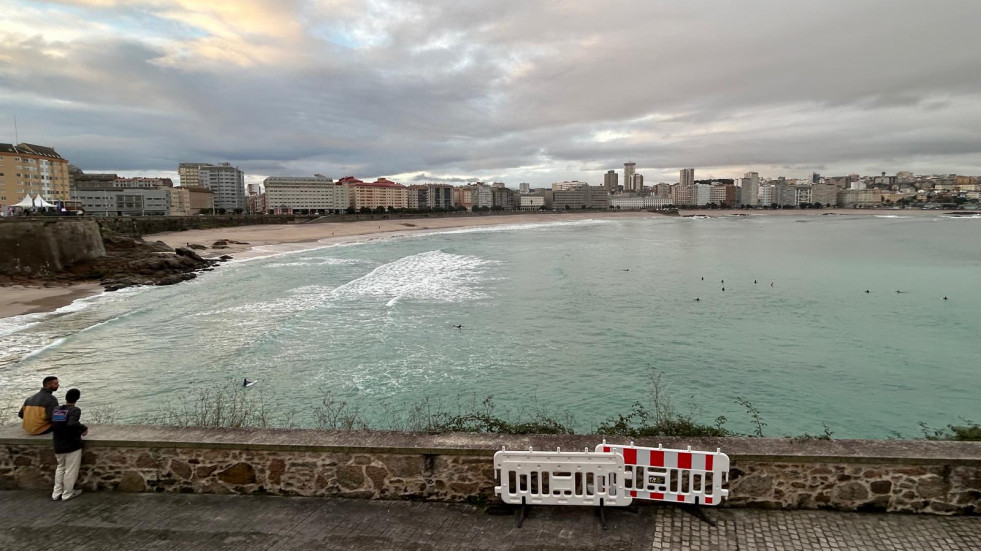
(866,475)
(35,246)
(138,226)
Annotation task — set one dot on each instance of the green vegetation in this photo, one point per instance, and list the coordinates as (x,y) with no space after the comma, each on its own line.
(969,431)
(234,408)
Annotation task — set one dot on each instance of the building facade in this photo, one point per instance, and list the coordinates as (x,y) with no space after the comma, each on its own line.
(228,184)
(628,176)
(638,203)
(306,194)
(27,169)
(114,201)
(189,174)
(750,192)
(610,181)
(687,177)
(380,193)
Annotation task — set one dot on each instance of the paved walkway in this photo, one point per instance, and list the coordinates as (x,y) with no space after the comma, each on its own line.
(97,521)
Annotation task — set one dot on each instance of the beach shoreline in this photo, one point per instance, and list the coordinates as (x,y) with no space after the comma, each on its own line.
(262,240)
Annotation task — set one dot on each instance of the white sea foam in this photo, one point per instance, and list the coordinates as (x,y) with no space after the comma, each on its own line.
(514,227)
(430,276)
(307,261)
(37,351)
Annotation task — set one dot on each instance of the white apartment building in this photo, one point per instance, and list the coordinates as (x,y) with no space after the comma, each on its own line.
(532,202)
(703,194)
(228,183)
(750,192)
(311,194)
(638,203)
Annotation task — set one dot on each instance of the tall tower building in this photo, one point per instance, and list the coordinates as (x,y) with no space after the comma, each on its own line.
(750,189)
(610,181)
(637,183)
(628,176)
(228,184)
(687,176)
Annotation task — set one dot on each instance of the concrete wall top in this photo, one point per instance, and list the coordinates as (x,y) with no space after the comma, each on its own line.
(748,449)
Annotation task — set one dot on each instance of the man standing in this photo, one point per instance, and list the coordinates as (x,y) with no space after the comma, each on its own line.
(68,433)
(36,411)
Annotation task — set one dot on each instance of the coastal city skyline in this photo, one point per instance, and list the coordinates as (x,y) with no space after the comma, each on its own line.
(510,92)
(46,181)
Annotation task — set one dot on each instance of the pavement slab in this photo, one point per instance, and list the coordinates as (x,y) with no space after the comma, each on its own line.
(116,521)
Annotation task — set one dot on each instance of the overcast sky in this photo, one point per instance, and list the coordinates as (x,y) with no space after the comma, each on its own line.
(514,91)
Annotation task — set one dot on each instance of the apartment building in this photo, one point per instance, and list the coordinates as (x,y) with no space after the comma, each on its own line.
(227,182)
(380,193)
(306,194)
(188,200)
(27,169)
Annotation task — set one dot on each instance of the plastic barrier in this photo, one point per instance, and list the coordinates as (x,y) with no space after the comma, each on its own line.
(678,476)
(560,478)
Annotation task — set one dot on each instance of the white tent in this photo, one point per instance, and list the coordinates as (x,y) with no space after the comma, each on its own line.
(26,202)
(40,203)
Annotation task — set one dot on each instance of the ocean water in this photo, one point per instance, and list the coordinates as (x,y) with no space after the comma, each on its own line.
(573,316)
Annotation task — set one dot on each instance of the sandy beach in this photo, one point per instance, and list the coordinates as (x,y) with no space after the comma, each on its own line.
(18,300)
(255,241)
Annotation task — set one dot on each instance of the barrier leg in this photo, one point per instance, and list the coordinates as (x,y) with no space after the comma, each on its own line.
(521,513)
(602,514)
(697,512)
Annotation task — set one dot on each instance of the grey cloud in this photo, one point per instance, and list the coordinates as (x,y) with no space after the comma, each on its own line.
(463,88)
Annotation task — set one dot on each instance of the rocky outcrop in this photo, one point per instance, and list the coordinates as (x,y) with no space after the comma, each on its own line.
(42,248)
(67,250)
(130,262)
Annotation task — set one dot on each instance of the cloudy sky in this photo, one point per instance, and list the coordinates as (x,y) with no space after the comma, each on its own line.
(498,90)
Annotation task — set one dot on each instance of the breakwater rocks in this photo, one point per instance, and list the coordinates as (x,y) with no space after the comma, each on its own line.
(129,262)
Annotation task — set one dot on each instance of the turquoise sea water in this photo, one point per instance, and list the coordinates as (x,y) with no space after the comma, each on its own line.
(573,315)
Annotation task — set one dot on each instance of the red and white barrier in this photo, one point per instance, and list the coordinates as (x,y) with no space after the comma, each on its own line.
(678,476)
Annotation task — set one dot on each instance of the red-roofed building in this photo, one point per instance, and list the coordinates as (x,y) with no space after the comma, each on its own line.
(380,193)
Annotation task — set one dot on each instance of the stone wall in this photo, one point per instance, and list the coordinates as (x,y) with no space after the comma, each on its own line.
(138,226)
(921,477)
(33,246)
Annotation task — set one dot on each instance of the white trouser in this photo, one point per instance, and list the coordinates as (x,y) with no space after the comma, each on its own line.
(66,473)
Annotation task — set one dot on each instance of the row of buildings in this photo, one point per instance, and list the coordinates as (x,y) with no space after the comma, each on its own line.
(38,175)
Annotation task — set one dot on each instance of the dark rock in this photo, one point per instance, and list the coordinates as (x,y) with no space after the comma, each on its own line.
(239,473)
(276,469)
(377,476)
(224,257)
(881,487)
(146,461)
(851,491)
(131,482)
(181,251)
(350,477)
(180,468)
(933,487)
(196,247)
(158,246)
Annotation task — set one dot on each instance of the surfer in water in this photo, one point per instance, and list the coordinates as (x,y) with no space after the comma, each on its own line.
(248,383)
